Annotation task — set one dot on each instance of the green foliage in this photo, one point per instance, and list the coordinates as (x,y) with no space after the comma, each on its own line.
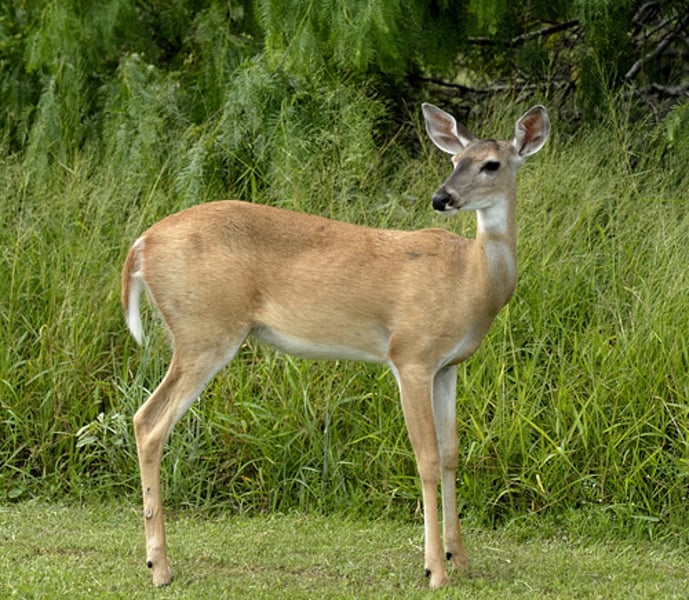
(608,53)
(299,131)
(361,35)
(669,143)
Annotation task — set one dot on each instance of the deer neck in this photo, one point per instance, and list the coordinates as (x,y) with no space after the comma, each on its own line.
(497,244)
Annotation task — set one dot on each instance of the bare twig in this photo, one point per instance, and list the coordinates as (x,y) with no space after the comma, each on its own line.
(671,90)
(493,89)
(529,35)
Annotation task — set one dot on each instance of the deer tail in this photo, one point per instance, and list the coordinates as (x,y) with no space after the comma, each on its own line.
(132,285)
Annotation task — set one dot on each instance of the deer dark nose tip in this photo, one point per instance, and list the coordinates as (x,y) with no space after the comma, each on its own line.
(440,200)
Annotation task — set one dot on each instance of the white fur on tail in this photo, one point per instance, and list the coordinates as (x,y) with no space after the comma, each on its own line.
(133,315)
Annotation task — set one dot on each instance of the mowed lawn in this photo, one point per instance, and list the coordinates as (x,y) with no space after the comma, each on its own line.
(97,551)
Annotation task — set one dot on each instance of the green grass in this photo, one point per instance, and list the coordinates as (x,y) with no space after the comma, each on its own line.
(87,550)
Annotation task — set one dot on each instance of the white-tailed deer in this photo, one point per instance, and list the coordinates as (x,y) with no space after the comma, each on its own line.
(417,301)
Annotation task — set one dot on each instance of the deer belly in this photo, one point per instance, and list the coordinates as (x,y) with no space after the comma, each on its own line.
(307,348)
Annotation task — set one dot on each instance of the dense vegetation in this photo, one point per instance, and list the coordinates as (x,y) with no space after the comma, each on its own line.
(119,112)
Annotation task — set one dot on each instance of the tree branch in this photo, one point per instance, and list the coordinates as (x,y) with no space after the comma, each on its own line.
(659,49)
(671,90)
(529,35)
(493,89)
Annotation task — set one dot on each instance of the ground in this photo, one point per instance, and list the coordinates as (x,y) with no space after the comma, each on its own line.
(50,550)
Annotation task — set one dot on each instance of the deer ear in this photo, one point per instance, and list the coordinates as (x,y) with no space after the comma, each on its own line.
(531,131)
(444,131)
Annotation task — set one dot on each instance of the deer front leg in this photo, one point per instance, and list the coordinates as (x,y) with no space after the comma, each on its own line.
(415,391)
(444,416)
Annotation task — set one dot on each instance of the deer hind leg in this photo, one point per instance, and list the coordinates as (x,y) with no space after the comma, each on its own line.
(444,416)
(184,381)
(415,391)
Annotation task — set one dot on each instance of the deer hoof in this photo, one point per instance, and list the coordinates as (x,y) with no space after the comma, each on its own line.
(436,580)
(162,574)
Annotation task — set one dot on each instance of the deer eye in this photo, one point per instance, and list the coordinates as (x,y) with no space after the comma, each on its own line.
(491,166)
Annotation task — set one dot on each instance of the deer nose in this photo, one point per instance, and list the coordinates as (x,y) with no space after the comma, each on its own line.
(440,200)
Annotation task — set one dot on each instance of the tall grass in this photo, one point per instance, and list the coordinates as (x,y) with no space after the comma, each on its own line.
(577,398)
